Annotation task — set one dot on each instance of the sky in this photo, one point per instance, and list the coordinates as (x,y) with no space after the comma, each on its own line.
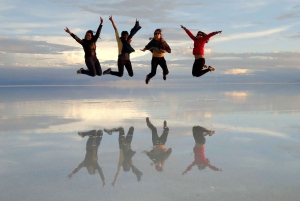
(258,35)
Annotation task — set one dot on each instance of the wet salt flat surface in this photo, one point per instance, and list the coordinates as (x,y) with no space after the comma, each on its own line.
(247,142)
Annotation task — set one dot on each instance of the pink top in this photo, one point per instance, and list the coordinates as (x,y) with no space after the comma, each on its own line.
(199,42)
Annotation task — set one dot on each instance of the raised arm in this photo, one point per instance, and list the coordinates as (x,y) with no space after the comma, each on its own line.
(112,22)
(135,29)
(213,33)
(73,35)
(188,33)
(98,30)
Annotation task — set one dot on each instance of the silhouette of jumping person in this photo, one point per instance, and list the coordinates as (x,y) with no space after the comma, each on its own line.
(91,157)
(199,150)
(159,154)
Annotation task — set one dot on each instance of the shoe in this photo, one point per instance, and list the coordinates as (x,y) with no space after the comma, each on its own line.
(147,79)
(211,68)
(109,132)
(79,71)
(107,71)
(164,76)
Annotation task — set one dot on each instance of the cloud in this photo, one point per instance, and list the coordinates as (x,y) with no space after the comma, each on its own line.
(10,45)
(289,16)
(250,35)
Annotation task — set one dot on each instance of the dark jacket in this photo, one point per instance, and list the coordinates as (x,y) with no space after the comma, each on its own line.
(89,46)
(160,44)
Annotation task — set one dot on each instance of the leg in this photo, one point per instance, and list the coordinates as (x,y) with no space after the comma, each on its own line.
(128,67)
(98,67)
(91,68)
(121,63)
(198,67)
(155,138)
(129,135)
(154,64)
(163,65)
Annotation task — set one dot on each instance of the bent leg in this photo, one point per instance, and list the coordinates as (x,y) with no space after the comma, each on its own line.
(154,64)
(198,67)
(128,67)
(120,72)
(98,67)
(91,68)
(163,65)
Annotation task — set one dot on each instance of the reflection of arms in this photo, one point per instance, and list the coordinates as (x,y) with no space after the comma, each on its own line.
(101,173)
(213,167)
(76,170)
(189,167)
(121,159)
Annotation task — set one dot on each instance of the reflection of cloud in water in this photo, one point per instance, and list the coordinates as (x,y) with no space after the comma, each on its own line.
(237,95)
(64,116)
(236,71)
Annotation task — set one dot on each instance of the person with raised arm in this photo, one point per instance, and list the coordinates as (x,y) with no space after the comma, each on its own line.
(89,47)
(124,50)
(199,67)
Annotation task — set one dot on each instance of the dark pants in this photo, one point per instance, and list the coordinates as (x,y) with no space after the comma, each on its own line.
(154,63)
(155,139)
(198,133)
(198,67)
(94,67)
(121,64)
(123,140)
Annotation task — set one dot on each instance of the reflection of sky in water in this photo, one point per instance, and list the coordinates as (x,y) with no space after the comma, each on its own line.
(256,142)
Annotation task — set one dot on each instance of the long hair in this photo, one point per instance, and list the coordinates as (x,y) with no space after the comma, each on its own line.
(203,34)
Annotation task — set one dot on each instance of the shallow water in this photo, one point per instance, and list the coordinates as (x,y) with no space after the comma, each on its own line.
(252,136)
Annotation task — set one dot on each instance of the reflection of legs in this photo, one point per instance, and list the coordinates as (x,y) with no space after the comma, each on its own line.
(88,133)
(198,67)
(155,138)
(129,135)
(164,136)
(198,135)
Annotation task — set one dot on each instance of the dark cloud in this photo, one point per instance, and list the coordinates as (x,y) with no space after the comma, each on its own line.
(32,47)
(289,16)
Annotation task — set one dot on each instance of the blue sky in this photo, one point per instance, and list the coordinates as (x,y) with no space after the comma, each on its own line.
(257,35)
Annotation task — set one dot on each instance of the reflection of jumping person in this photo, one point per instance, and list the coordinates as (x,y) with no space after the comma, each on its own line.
(158,46)
(199,41)
(126,153)
(91,157)
(200,160)
(159,153)
(124,50)
(89,47)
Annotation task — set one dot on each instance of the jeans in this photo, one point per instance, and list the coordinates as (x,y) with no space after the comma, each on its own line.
(198,67)
(121,64)
(154,63)
(94,67)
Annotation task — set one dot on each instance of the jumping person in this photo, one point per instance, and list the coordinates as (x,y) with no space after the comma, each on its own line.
(89,47)
(199,41)
(124,50)
(158,46)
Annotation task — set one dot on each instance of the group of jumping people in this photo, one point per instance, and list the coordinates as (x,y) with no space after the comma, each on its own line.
(157,45)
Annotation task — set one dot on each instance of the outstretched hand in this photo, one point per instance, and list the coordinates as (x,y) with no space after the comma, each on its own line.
(67,30)
(110,18)
(101,20)
(219,32)
(143,49)
(182,27)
